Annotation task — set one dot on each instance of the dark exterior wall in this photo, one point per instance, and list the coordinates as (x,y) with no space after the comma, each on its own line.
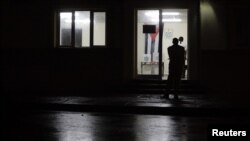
(226,72)
(30,62)
(45,70)
(220,49)
(225,48)
(26,24)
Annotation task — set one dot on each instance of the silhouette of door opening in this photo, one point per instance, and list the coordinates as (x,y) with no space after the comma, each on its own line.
(155,31)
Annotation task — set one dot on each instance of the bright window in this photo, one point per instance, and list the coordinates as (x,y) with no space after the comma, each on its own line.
(99,28)
(65,28)
(88,29)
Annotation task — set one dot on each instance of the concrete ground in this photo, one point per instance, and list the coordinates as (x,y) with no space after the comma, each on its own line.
(138,117)
(140,104)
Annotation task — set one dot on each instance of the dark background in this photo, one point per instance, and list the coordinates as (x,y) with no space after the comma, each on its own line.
(30,62)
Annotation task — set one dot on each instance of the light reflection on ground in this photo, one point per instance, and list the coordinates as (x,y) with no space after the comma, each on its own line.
(79,126)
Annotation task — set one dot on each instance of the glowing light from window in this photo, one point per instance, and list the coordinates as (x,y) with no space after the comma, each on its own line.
(171,20)
(66,15)
(168,20)
(156,13)
(85,21)
(171,13)
(152,13)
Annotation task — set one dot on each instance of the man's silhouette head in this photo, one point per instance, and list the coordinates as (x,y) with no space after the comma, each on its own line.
(175,41)
(181,39)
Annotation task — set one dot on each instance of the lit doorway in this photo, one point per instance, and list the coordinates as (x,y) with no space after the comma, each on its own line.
(154,37)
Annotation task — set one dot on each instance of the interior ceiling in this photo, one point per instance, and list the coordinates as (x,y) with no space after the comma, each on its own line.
(144,18)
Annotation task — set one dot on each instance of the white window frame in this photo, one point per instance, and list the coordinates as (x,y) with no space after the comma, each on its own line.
(72,45)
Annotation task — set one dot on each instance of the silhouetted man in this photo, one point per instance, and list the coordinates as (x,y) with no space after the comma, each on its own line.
(176,55)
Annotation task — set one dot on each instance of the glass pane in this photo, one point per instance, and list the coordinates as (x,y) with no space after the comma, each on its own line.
(175,23)
(82,29)
(148,42)
(99,28)
(65,28)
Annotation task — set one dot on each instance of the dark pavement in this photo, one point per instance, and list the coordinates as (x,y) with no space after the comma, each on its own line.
(83,126)
(187,105)
(132,117)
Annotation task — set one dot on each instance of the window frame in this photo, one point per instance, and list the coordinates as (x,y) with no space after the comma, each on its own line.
(72,44)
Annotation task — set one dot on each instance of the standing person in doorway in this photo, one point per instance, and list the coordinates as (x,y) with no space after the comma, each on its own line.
(176,55)
(181,39)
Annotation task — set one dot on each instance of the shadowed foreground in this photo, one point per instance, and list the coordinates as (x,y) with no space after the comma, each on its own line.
(81,126)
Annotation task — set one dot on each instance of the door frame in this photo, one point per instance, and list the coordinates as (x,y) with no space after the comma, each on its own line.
(160,74)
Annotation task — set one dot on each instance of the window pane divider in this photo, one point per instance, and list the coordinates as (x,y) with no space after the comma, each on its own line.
(91,29)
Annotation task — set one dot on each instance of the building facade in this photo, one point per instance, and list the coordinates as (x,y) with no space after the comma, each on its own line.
(47,45)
